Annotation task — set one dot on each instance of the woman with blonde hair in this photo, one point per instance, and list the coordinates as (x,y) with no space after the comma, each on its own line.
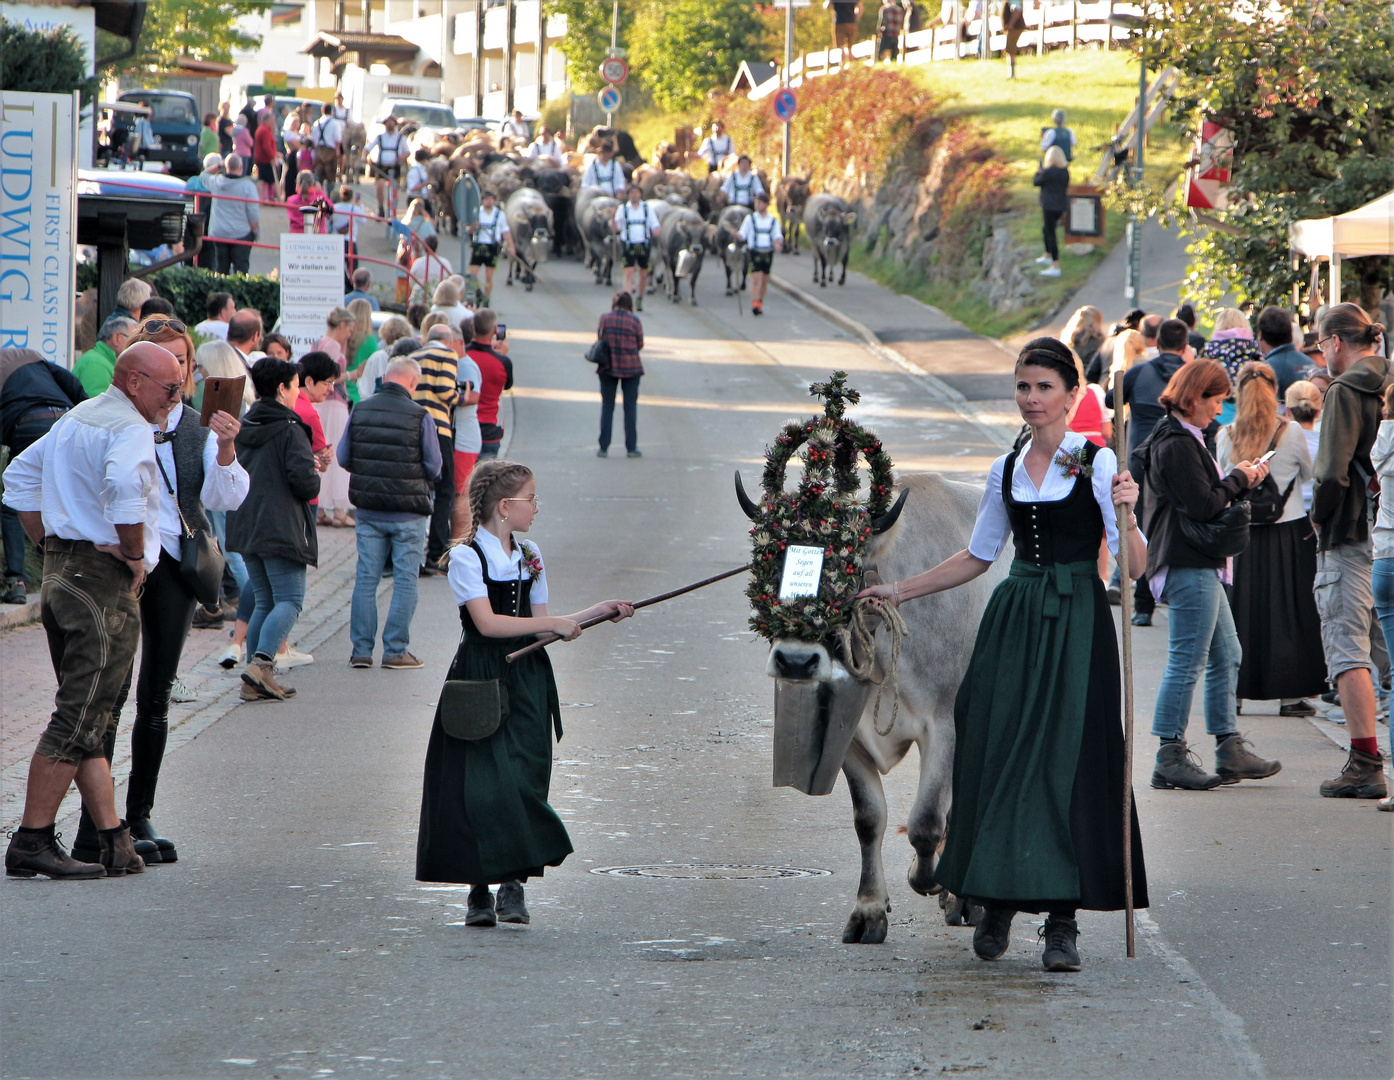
(362,343)
(1232,342)
(447,300)
(1053,178)
(1084,333)
(218,360)
(1303,401)
(333,416)
(1275,613)
(169,333)
(390,332)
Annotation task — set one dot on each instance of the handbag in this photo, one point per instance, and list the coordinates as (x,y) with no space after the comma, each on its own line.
(1224,535)
(201,562)
(599,352)
(473,709)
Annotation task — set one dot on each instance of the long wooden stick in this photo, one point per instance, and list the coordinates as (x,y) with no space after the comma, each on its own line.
(547,639)
(1120,444)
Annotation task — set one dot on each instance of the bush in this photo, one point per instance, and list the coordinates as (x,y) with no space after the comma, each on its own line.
(187,288)
(43,62)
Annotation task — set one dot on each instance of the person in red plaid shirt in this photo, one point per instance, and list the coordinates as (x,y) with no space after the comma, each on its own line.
(890,20)
(622,331)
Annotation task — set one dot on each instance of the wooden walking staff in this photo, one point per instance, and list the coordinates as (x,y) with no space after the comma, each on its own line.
(547,639)
(1120,448)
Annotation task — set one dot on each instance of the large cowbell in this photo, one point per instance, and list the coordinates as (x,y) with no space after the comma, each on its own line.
(814,721)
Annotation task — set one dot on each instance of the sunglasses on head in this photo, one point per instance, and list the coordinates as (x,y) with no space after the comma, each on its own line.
(155,326)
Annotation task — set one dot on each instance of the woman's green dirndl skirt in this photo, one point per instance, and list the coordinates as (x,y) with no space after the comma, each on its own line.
(485,817)
(1037,817)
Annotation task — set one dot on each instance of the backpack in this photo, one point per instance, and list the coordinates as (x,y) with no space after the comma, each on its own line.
(1266,502)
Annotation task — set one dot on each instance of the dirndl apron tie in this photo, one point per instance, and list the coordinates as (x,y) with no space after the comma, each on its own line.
(1059,579)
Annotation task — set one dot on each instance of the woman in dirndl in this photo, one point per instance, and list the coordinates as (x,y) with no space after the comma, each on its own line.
(1036,823)
(485,819)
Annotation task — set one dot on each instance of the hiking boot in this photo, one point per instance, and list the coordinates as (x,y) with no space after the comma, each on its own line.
(1178,767)
(510,903)
(638,303)
(257,674)
(1059,936)
(286,692)
(480,911)
(993,933)
(1234,762)
(402,661)
(256,693)
(208,619)
(38,851)
(1362,778)
(119,852)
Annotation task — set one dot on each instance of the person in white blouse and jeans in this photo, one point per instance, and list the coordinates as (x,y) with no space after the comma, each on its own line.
(86,494)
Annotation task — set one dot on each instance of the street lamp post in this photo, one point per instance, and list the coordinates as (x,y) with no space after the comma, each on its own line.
(1132,288)
(788,60)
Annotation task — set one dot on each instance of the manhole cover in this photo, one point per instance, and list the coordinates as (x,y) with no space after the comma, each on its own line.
(711,871)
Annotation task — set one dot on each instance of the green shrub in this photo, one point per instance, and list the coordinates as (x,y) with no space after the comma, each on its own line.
(187,288)
(44,61)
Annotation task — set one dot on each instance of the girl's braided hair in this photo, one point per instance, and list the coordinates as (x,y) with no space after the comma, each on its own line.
(491,482)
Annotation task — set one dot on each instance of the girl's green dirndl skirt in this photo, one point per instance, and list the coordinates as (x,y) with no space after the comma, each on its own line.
(484,811)
(1037,817)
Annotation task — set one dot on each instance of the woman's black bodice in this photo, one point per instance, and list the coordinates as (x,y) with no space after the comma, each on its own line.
(1065,531)
(505,597)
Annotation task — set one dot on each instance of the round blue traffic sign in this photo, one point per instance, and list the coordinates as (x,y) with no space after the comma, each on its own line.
(786,104)
(610,98)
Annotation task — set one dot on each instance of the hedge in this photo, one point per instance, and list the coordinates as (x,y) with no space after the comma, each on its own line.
(187,288)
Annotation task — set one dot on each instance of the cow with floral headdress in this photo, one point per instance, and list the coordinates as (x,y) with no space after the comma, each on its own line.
(836,660)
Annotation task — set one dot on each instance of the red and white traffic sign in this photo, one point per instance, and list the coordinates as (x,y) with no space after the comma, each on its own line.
(614,70)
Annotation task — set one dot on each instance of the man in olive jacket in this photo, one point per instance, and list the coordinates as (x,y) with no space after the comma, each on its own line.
(393,457)
(1345,495)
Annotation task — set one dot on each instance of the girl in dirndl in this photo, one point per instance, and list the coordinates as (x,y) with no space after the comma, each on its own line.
(485,819)
(1036,823)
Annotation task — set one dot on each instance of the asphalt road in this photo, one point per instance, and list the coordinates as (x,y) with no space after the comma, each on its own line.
(291,940)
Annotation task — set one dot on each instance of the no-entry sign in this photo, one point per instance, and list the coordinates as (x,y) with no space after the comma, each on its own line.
(614,70)
(786,104)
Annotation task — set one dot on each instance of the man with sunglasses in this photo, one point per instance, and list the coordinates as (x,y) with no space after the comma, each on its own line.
(88,494)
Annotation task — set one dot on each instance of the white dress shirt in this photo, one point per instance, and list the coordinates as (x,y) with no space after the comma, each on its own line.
(993,527)
(94,470)
(760,231)
(741,188)
(608,178)
(224,486)
(714,148)
(493,227)
(212,328)
(636,223)
(467,576)
(545,149)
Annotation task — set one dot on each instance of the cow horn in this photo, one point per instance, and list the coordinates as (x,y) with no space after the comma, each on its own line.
(886,520)
(752,511)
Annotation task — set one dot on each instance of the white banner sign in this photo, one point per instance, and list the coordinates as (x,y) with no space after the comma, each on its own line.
(38,222)
(312,285)
(803,570)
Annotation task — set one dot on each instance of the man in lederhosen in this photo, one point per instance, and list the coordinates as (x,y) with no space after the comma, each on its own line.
(637,224)
(391,147)
(325,135)
(763,237)
(742,186)
(490,232)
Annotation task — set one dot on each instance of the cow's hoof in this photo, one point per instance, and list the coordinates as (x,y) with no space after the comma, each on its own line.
(865,927)
(694,301)
(528,287)
(509,283)
(921,877)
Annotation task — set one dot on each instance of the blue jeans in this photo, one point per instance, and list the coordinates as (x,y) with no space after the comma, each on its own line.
(1382,583)
(400,545)
(280,594)
(629,391)
(1202,638)
(235,563)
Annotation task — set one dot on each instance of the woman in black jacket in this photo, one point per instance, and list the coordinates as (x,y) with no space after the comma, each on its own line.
(1053,178)
(1183,479)
(274,531)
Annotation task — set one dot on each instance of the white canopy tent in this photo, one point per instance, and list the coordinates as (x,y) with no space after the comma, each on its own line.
(1367,230)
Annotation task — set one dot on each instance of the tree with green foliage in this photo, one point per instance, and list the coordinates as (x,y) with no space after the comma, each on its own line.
(44,61)
(1307,88)
(587,40)
(203,29)
(686,48)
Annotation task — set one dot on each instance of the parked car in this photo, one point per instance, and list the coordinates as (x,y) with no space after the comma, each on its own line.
(430,119)
(175,122)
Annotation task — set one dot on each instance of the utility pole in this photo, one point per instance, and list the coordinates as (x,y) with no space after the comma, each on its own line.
(1132,288)
(508,57)
(788,60)
(614,47)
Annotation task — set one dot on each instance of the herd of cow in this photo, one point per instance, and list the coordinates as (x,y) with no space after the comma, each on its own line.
(550,213)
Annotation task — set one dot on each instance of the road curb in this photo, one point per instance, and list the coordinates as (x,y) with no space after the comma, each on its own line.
(936,387)
(13,615)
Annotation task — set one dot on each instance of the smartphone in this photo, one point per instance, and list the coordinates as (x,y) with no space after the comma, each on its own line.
(501,331)
(1264,460)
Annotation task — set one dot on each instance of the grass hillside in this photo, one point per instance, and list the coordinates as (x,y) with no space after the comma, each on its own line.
(1097,89)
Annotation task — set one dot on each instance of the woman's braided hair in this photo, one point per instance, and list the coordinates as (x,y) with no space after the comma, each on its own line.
(491,482)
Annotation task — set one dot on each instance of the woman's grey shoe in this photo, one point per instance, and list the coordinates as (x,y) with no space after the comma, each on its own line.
(1234,762)
(993,933)
(1178,767)
(480,911)
(510,903)
(1059,936)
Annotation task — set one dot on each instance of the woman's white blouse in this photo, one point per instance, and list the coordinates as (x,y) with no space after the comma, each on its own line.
(993,527)
(467,576)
